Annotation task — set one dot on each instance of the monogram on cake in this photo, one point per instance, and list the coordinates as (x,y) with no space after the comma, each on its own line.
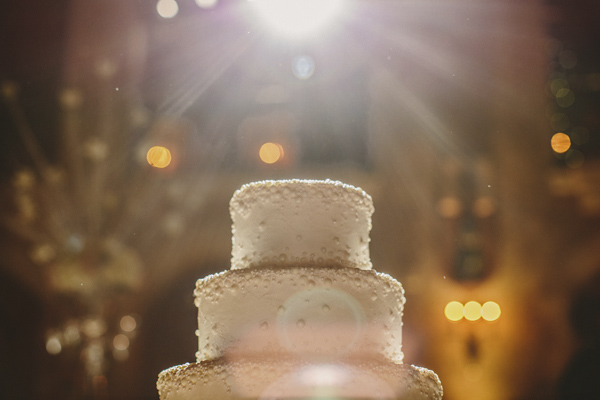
(301,314)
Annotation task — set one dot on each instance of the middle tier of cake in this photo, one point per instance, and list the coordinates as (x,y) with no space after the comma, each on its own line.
(309,312)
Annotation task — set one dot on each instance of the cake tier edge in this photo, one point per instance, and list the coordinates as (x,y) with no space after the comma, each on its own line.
(295,379)
(296,220)
(328,311)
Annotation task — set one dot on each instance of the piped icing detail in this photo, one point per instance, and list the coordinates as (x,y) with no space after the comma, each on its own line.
(296,222)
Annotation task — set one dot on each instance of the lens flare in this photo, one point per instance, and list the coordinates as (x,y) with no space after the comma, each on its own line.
(296,18)
(303,67)
(309,313)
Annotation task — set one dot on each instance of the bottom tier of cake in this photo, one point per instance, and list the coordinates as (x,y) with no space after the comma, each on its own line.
(270,379)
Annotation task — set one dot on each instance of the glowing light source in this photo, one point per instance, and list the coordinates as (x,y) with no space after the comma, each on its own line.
(490,311)
(121,342)
(167,8)
(454,311)
(53,345)
(297,18)
(159,157)
(128,323)
(560,142)
(270,153)
(206,3)
(472,311)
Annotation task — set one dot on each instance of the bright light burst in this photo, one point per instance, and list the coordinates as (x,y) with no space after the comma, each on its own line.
(297,18)
(167,8)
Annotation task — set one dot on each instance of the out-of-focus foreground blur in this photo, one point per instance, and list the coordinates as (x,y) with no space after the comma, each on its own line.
(127,125)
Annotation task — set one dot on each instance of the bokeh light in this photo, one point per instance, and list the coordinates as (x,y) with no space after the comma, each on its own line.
(574,158)
(490,311)
(558,84)
(567,59)
(565,97)
(270,153)
(121,342)
(454,311)
(93,327)
(472,311)
(53,345)
(297,18)
(449,207)
(484,207)
(71,334)
(167,8)
(128,323)
(560,142)
(159,157)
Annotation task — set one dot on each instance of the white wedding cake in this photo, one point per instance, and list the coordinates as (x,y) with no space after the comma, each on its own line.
(300,314)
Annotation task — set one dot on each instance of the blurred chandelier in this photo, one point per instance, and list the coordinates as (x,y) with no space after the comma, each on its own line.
(91,218)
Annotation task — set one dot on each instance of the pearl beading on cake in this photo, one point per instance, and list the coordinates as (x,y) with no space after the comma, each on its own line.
(294,222)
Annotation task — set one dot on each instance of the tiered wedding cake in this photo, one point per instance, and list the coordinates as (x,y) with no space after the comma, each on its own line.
(301,314)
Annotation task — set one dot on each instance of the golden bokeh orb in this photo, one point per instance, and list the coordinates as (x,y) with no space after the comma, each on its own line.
(159,157)
(472,311)
(490,311)
(560,142)
(128,323)
(121,342)
(454,311)
(270,153)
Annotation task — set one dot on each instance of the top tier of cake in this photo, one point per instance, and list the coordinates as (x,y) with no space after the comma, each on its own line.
(292,222)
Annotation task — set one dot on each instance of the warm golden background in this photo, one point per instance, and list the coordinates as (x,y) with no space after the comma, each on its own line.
(446,112)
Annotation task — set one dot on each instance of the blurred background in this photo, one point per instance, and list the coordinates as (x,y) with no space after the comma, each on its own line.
(126,126)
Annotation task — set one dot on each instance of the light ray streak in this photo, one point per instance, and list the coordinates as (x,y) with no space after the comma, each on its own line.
(189,92)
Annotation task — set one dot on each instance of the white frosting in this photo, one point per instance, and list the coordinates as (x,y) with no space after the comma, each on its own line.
(284,378)
(301,312)
(308,312)
(293,222)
